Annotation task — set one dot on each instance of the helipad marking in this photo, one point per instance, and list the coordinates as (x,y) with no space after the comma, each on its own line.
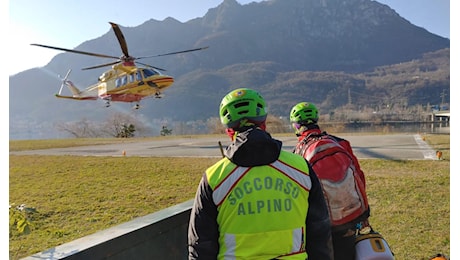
(428,153)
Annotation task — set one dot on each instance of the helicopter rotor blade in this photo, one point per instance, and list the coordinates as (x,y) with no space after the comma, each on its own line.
(148,65)
(75,51)
(121,39)
(171,53)
(102,65)
(126,59)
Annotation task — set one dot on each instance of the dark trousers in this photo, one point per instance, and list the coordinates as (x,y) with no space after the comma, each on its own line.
(344,247)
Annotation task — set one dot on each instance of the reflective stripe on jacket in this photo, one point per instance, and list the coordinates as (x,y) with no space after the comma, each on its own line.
(267,206)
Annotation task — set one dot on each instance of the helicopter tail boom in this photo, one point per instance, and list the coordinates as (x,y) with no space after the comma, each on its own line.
(75,91)
(77,98)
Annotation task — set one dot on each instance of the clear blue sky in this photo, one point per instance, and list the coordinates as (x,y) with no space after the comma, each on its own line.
(67,24)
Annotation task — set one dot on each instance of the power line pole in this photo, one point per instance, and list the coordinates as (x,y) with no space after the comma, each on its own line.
(349,97)
(443,94)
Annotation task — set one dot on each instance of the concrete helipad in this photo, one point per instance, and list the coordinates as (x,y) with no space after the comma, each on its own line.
(394,147)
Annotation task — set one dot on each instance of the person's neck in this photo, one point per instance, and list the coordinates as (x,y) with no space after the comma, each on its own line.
(309,130)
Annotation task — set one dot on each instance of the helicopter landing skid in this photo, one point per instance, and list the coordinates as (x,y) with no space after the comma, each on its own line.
(107,101)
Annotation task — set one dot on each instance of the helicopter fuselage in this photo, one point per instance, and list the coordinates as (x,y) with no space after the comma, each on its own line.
(132,84)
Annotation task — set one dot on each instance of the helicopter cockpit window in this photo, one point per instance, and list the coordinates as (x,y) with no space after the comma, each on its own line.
(138,76)
(131,78)
(124,80)
(118,82)
(149,73)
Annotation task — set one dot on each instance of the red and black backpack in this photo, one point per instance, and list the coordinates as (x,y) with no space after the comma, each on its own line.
(343,189)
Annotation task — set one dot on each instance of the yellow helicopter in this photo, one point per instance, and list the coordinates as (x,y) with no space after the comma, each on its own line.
(125,82)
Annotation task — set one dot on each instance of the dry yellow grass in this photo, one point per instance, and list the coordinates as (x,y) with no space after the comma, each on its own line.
(77,196)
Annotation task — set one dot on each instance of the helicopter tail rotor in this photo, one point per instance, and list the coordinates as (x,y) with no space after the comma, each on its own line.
(64,80)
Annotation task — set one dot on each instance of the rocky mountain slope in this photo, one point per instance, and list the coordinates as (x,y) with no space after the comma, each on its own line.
(287,49)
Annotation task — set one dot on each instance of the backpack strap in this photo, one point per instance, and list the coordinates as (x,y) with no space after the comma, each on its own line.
(307,141)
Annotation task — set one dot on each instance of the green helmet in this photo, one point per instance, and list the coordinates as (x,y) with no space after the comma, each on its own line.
(304,113)
(242,107)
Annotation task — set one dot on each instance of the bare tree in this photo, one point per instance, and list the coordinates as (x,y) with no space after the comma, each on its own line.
(116,125)
(80,129)
(123,125)
(215,126)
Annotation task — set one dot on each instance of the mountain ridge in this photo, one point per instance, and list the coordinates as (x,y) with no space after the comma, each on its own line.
(263,45)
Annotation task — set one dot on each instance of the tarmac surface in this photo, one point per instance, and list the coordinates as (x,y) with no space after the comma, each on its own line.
(391,147)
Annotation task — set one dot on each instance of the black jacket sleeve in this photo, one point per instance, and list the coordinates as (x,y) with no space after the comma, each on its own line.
(203,232)
(319,241)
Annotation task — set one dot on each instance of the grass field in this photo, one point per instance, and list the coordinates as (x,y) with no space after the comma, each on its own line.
(77,196)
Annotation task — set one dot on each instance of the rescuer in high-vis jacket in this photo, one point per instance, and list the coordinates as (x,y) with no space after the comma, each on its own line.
(259,201)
